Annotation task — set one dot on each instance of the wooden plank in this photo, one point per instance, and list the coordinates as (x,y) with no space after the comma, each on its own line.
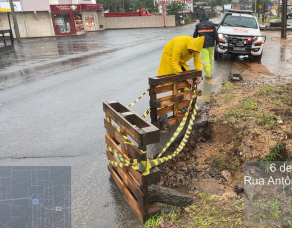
(172,99)
(167,88)
(184,104)
(144,186)
(164,110)
(110,142)
(183,84)
(127,123)
(161,80)
(168,109)
(134,173)
(153,111)
(127,194)
(177,119)
(175,92)
(162,89)
(127,180)
(133,151)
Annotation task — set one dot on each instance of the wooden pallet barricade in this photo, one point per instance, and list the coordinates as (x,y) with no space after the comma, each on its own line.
(171,104)
(133,185)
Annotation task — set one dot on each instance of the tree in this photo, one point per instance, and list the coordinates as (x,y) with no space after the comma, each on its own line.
(116,5)
(138,4)
(174,7)
(243,3)
(224,2)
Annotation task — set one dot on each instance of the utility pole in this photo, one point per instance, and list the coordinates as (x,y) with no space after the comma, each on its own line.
(284,20)
(16,29)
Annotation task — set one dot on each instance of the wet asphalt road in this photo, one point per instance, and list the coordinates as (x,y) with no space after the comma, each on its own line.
(51,94)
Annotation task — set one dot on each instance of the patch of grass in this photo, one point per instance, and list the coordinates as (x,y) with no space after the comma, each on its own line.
(277,154)
(248,104)
(278,102)
(268,90)
(233,112)
(207,212)
(172,217)
(268,19)
(153,222)
(229,96)
(228,84)
(266,120)
(288,100)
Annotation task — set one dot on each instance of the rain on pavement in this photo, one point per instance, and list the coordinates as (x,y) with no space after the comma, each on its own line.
(51,94)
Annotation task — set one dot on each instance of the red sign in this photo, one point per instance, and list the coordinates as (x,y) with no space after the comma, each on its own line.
(91,6)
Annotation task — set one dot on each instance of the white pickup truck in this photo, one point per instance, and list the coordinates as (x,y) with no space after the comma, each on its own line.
(239,34)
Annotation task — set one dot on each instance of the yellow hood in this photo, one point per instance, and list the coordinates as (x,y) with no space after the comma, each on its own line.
(196,44)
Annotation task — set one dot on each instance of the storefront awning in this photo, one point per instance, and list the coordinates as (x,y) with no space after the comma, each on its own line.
(5,10)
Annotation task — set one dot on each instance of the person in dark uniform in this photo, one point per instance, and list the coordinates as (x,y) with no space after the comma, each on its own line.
(207,28)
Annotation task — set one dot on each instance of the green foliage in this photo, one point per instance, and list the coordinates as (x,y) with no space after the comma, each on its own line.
(153,221)
(138,4)
(174,7)
(248,104)
(224,2)
(229,96)
(276,154)
(118,5)
(234,112)
(267,91)
(268,121)
(244,4)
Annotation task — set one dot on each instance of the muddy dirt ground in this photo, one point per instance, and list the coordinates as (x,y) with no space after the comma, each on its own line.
(247,121)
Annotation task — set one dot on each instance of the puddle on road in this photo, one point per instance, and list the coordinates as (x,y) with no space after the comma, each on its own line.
(277,55)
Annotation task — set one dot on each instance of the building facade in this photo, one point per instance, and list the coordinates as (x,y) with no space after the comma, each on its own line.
(39,18)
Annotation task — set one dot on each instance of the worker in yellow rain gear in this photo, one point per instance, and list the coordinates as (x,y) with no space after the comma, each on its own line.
(177,52)
(207,29)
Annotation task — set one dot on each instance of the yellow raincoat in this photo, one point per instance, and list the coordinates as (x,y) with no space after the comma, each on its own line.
(175,54)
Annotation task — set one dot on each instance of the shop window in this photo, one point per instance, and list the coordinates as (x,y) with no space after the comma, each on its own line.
(63,23)
(89,22)
(78,22)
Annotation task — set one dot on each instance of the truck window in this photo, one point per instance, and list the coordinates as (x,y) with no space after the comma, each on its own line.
(237,21)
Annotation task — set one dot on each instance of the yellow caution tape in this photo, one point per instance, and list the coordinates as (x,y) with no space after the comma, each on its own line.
(145,166)
(125,137)
(146,113)
(180,127)
(142,95)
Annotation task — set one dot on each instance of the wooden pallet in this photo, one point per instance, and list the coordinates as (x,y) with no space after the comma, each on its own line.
(168,103)
(132,183)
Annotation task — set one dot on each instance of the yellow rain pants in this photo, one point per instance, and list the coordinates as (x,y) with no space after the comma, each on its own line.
(207,56)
